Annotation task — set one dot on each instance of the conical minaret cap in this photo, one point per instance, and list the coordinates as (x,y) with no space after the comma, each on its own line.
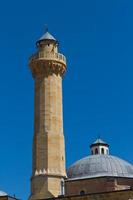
(47,37)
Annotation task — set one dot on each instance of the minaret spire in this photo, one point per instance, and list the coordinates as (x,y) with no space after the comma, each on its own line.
(48,67)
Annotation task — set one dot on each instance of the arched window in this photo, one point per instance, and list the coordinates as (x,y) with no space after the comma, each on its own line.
(102,150)
(96,151)
(62,187)
(82,192)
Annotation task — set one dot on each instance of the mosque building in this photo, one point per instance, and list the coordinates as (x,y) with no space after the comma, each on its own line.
(99,176)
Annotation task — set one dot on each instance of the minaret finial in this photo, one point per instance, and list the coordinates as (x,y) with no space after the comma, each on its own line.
(46,28)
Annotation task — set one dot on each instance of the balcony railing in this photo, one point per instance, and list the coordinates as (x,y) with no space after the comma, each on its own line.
(49,56)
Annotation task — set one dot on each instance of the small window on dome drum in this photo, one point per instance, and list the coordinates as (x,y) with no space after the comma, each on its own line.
(96,151)
(82,192)
(102,150)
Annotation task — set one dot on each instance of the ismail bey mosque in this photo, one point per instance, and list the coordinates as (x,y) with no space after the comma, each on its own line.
(99,176)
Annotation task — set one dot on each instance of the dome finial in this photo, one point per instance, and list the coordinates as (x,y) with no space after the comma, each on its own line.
(46,28)
(99,136)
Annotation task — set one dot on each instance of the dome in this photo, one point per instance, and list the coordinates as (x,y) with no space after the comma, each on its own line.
(2,194)
(100,165)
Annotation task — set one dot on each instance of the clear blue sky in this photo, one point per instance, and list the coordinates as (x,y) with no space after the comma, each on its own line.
(97,39)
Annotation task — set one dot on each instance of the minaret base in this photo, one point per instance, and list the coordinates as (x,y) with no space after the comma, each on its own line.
(45,187)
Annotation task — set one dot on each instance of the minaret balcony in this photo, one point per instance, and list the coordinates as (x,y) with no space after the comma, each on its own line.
(48,57)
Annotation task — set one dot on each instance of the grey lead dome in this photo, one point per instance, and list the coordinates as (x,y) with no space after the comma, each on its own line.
(99,166)
(3,193)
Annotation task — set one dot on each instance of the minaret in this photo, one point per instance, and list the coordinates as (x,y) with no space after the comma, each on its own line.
(48,67)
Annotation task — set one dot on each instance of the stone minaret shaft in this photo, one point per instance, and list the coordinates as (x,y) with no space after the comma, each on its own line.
(48,67)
